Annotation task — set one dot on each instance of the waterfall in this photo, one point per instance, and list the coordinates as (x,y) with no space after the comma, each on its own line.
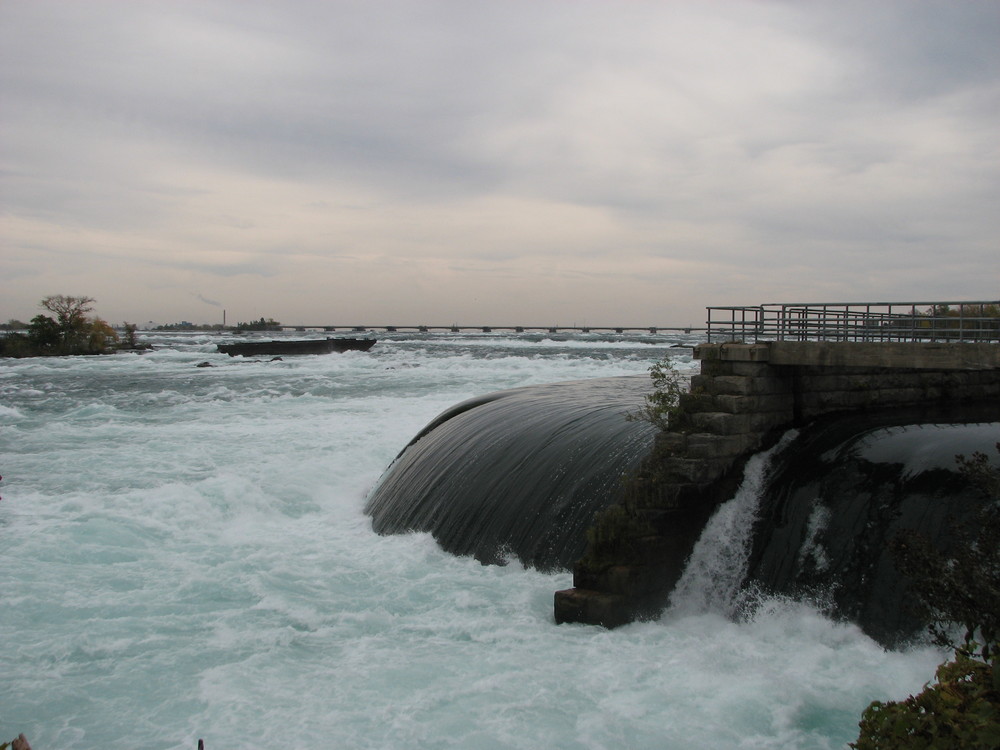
(718,564)
(520,474)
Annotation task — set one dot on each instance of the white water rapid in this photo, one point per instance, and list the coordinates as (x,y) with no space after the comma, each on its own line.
(183,555)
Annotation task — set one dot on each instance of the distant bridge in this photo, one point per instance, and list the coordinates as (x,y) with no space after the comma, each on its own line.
(490,329)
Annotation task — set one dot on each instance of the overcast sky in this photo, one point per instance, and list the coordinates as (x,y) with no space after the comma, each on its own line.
(533,162)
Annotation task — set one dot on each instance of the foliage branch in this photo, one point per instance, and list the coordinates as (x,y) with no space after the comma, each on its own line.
(663,404)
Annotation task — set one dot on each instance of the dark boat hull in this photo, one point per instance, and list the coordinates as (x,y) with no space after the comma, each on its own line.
(308,346)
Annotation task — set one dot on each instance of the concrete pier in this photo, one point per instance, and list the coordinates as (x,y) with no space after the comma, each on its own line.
(745,397)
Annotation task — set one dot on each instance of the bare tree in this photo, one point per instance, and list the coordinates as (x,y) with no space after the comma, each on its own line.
(70,312)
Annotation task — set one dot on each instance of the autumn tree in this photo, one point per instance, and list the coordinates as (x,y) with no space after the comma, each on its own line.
(71,315)
(69,332)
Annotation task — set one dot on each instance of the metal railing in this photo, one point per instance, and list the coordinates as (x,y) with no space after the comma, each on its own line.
(977,322)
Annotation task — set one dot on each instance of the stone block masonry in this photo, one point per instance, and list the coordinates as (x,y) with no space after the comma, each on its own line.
(744,398)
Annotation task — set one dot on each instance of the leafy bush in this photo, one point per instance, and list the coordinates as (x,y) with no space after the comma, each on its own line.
(961,710)
(663,404)
(15,345)
(44,333)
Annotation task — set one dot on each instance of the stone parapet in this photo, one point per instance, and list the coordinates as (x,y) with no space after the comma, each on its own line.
(896,355)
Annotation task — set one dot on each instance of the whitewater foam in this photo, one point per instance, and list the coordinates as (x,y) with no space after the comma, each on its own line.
(188,558)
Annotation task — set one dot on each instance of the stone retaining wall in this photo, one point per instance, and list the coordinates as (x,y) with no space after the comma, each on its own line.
(743,399)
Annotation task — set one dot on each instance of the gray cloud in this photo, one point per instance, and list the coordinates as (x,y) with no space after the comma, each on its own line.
(811,149)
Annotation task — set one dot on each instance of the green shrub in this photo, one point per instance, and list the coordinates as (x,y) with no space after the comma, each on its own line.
(961,710)
(663,404)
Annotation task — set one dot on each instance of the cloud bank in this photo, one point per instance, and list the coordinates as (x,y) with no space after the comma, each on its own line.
(406,162)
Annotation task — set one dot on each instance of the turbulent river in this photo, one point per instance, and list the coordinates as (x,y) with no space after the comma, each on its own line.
(184,555)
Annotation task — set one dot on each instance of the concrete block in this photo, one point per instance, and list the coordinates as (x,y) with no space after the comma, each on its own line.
(715,367)
(696,470)
(825,402)
(934,393)
(591,608)
(751,369)
(902,396)
(907,379)
(834,382)
(691,403)
(978,393)
(732,352)
(741,385)
(771,384)
(671,442)
(736,385)
(625,580)
(662,496)
(707,445)
(720,423)
(753,404)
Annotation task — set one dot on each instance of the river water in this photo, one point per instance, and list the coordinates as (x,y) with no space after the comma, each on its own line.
(183,555)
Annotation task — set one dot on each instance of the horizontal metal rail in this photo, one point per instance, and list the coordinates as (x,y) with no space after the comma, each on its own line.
(963,321)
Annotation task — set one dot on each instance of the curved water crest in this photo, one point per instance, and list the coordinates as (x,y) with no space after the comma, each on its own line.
(518,472)
(522,472)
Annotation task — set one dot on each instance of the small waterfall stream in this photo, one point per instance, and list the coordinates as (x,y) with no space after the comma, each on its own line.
(715,571)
